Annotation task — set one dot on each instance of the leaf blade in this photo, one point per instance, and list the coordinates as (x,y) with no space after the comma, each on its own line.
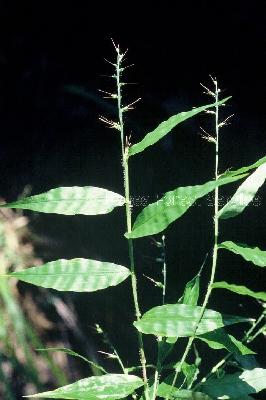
(157,217)
(237,385)
(111,386)
(244,194)
(243,290)
(219,339)
(180,320)
(166,126)
(87,200)
(243,170)
(252,254)
(78,275)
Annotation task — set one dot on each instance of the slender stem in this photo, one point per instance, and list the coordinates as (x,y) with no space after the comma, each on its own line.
(124,150)
(215,246)
(164,271)
(250,331)
(160,339)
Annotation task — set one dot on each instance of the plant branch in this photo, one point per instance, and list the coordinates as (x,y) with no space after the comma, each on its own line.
(216,233)
(124,150)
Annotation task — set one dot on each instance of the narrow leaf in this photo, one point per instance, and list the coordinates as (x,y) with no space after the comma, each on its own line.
(157,216)
(236,386)
(181,320)
(189,297)
(88,200)
(191,292)
(244,194)
(243,170)
(77,275)
(243,290)
(74,354)
(219,339)
(111,386)
(166,126)
(253,254)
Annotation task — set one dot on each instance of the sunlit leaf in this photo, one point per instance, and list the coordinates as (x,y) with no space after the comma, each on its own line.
(111,386)
(236,386)
(244,194)
(166,126)
(181,320)
(157,216)
(243,290)
(77,275)
(87,200)
(243,170)
(219,339)
(73,354)
(253,254)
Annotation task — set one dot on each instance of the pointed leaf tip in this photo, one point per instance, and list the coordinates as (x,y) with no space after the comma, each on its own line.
(252,254)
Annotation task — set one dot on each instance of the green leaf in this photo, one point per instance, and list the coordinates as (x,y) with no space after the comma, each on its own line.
(158,215)
(190,371)
(236,386)
(166,126)
(244,194)
(191,292)
(243,170)
(74,354)
(167,391)
(253,254)
(189,297)
(88,200)
(219,339)
(243,290)
(181,320)
(77,275)
(111,386)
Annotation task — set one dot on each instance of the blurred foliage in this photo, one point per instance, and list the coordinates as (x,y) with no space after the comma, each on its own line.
(22,324)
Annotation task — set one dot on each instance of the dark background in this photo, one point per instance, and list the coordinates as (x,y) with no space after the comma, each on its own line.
(52,65)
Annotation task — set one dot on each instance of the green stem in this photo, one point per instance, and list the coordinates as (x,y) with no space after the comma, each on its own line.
(215,246)
(124,150)
(164,269)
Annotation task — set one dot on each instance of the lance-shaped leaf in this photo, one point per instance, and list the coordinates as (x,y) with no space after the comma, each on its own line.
(244,194)
(243,170)
(157,216)
(219,339)
(236,386)
(87,200)
(166,126)
(191,292)
(182,320)
(243,290)
(111,386)
(253,254)
(189,297)
(77,275)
